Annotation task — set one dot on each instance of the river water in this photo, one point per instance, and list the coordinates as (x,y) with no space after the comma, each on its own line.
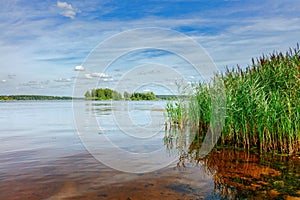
(48,151)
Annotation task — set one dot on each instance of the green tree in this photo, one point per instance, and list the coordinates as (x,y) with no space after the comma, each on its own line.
(143,96)
(126,95)
(87,94)
(103,94)
(94,93)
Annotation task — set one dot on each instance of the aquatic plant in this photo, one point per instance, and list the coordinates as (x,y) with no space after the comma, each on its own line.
(262,105)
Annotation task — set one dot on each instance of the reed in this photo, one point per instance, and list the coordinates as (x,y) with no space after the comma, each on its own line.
(262,105)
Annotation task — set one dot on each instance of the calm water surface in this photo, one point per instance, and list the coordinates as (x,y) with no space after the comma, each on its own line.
(42,157)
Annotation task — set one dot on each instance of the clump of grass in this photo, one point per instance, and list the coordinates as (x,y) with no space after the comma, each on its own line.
(262,105)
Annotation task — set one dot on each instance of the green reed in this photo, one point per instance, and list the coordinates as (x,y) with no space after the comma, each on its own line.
(262,105)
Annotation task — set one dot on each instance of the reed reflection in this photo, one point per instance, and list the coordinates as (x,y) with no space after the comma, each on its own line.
(236,173)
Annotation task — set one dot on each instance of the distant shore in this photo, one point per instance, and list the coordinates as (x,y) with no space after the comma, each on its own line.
(34,97)
(46,98)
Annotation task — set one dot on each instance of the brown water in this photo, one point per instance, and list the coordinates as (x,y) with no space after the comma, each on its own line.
(42,157)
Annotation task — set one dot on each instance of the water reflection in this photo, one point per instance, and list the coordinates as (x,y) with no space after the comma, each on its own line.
(116,132)
(237,173)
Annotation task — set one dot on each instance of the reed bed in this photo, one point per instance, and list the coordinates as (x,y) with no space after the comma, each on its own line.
(262,105)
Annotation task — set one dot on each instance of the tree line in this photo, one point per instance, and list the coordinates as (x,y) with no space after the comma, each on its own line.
(109,94)
(32,97)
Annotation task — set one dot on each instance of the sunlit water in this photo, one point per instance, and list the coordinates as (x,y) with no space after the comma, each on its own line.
(43,157)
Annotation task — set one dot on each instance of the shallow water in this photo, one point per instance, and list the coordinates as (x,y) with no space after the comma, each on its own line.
(43,157)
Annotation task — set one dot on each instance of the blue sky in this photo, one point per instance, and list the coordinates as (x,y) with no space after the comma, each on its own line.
(42,41)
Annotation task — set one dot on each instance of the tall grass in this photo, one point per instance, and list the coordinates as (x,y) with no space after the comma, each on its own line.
(262,105)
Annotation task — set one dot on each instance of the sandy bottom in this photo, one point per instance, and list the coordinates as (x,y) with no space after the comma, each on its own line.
(82,177)
(224,175)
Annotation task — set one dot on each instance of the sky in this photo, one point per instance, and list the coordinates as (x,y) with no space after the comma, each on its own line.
(46,45)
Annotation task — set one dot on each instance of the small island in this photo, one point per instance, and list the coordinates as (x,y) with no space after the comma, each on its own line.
(109,94)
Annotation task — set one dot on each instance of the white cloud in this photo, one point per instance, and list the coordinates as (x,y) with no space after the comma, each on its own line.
(239,42)
(99,75)
(108,79)
(63,80)
(79,68)
(67,10)
(102,76)
(88,76)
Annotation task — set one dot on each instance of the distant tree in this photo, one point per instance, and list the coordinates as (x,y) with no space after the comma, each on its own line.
(87,94)
(126,95)
(103,94)
(100,94)
(33,97)
(143,96)
(109,94)
(94,93)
